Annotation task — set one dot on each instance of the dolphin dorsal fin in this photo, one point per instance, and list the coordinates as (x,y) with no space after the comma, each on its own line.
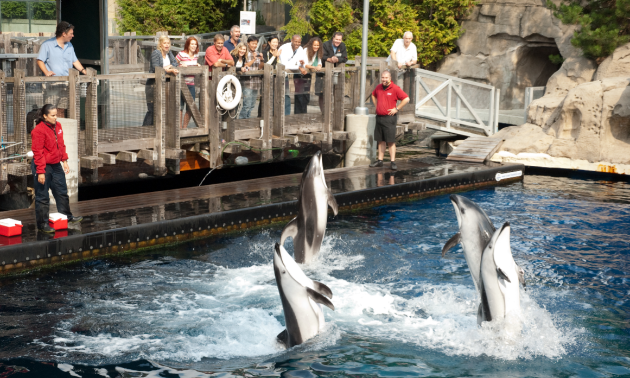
(452,242)
(318,298)
(332,202)
(291,229)
(322,289)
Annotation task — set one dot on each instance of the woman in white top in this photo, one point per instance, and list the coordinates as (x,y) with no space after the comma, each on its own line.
(161,57)
(314,53)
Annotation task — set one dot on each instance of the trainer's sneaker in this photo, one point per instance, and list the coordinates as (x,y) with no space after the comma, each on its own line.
(378,163)
(47,229)
(75,219)
(394,166)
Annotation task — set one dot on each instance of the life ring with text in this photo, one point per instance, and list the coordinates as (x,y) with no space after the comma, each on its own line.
(228,98)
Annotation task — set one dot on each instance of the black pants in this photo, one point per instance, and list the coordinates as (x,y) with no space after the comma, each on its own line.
(55,181)
(148,118)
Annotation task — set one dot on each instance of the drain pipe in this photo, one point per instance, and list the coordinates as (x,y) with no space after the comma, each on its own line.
(362,109)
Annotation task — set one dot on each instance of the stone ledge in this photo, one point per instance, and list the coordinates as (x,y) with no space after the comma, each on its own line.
(546,161)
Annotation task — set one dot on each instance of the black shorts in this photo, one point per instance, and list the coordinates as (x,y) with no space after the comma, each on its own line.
(385,130)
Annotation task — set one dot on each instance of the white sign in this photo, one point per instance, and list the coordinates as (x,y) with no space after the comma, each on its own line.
(248,23)
(507,175)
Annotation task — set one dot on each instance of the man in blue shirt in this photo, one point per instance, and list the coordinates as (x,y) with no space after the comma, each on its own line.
(235,35)
(56,57)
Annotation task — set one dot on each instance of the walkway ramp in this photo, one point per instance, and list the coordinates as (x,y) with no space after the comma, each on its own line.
(475,149)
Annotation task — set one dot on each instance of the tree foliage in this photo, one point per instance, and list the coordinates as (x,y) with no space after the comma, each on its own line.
(605,24)
(176,16)
(434,23)
(44,11)
(14,9)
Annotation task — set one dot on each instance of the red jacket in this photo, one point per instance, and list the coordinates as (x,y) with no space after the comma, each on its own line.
(46,148)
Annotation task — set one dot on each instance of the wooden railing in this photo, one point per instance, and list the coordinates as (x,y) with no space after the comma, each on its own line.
(164,144)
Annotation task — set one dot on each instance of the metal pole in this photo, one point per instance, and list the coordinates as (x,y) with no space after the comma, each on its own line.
(104,38)
(362,109)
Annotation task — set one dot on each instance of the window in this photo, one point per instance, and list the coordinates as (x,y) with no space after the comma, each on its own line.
(28,16)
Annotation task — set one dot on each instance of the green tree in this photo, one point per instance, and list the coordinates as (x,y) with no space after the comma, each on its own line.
(13,9)
(604,24)
(44,11)
(175,16)
(434,23)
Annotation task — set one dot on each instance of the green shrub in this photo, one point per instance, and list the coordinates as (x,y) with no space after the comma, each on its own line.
(175,16)
(434,24)
(604,24)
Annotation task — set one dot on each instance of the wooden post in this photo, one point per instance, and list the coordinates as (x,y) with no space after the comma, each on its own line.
(74,93)
(172,111)
(91,115)
(6,37)
(133,50)
(328,102)
(214,120)
(230,135)
(126,49)
(267,114)
(115,56)
(19,110)
(339,101)
(37,44)
(393,69)
(159,120)
(204,101)
(278,102)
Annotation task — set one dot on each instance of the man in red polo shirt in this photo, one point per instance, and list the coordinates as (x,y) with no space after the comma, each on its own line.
(217,55)
(385,97)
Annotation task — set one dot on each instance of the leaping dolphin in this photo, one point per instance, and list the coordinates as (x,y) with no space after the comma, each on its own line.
(475,231)
(309,226)
(301,298)
(500,277)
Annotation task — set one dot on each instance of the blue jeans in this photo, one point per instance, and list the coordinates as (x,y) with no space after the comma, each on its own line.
(287,105)
(249,100)
(55,181)
(191,88)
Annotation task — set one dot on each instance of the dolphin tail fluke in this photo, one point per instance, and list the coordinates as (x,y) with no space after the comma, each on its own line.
(283,338)
(332,202)
(291,229)
(322,289)
(452,242)
(318,298)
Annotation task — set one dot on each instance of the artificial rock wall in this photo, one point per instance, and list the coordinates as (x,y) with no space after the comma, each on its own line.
(507,43)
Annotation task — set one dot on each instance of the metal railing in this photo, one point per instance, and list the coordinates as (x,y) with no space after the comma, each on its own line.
(466,107)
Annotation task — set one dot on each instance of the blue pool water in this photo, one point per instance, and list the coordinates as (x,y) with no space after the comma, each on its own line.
(211,307)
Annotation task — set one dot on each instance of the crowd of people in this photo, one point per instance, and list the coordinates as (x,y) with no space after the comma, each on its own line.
(57,57)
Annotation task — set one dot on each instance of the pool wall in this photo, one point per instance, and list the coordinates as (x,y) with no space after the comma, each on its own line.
(23,257)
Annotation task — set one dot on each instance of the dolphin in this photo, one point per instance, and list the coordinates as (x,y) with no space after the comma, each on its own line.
(309,226)
(500,277)
(475,231)
(301,300)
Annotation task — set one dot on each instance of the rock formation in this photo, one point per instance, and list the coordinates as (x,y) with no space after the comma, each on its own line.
(507,43)
(579,119)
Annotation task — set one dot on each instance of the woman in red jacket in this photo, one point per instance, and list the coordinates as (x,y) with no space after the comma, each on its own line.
(49,152)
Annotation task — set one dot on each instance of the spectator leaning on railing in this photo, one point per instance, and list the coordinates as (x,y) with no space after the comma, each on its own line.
(56,57)
(217,55)
(314,65)
(251,84)
(293,56)
(162,57)
(235,38)
(188,57)
(404,51)
(335,50)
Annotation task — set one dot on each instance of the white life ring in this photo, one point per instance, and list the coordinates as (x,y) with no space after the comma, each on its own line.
(227,99)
